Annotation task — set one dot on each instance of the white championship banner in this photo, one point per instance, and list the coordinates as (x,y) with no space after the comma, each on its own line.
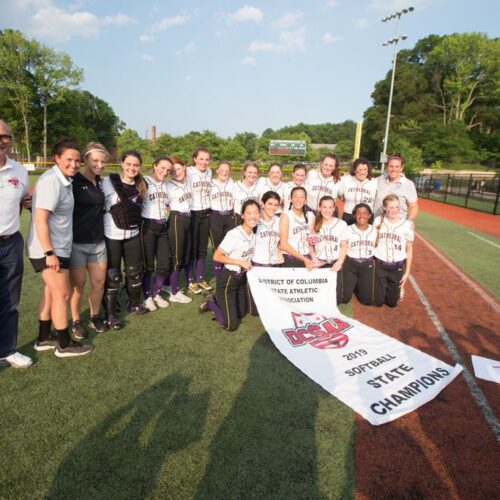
(377,376)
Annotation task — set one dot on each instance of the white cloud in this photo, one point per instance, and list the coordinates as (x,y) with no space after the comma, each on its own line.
(118,20)
(329,38)
(362,23)
(167,23)
(289,41)
(288,20)
(147,57)
(249,61)
(188,78)
(246,14)
(146,38)
(394,5)
(190,47)
(331,4)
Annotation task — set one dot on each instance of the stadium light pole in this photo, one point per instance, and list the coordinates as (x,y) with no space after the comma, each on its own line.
(396,15)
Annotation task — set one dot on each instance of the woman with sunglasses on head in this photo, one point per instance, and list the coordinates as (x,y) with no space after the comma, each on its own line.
(295,226)
(49,242)
(358,186)
(246,189)
(199,178)
(154,234)
(88,253)
(179,234)
(124,193)
(322,181)
(221,208)
(358,272)
(231,302)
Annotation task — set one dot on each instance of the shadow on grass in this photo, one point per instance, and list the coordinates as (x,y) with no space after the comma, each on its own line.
(266,448)
(122,456)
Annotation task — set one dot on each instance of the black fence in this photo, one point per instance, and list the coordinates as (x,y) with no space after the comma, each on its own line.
(475,191)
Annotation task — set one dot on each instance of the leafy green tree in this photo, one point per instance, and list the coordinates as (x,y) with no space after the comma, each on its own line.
(249,141)
(412,155)
(232,151)
(345,149)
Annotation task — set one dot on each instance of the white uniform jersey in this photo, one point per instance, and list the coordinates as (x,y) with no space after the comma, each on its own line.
(330,235)
(200,184)
(267,237)
(243,193)
(298,229)
(361,244)
(404,189)
(179,196)
(318,186)
(288,191)
(266,185)
(222,195)
(111,198)
(392,239)
(155,203)
(238,245)
(14,185)
(354,192)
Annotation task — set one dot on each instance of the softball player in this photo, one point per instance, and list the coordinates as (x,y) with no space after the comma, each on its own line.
(358,272)
(179,236)
(199,178)
(246,189)
(267,252)
(357,187)
(322,181)
(331,246)
(295,225)
(393,253)
(231,301)
(273,182)
(221,208)
(298,178)
(154,234)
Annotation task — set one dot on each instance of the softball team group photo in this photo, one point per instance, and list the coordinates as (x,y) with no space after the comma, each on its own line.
(146,231)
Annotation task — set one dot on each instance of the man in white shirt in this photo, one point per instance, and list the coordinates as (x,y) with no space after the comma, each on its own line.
(14,192)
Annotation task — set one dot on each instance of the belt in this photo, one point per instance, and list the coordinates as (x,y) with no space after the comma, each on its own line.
(390,265)
(223,212)
(257,264)
(182,214)
(156,221)
(361,261)
(201,212)
(8,236)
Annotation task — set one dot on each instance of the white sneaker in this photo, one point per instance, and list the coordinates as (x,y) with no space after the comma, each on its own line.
(17,360)
(160,301)
(167,289)
(180,298)
(150,305)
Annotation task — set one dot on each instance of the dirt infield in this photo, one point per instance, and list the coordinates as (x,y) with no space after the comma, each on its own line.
(446,449)
(480,221)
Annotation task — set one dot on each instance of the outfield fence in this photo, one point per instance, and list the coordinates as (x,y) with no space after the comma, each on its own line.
(475,191)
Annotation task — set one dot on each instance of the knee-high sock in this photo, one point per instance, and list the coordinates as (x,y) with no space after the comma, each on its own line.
(214,307)
(174,282)
(190,271)
(166,281)
(217,267)
(200,270)
(157,284)
(146,285)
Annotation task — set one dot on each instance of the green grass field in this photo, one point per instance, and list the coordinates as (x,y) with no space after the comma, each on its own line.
(482,204)
(174,407)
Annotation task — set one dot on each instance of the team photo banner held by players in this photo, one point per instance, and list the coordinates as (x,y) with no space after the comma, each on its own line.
(377,376)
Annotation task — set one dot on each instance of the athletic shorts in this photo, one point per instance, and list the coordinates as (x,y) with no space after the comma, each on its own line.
(41,264)
(88,253)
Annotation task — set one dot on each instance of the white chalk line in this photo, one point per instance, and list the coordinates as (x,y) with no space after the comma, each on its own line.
(476,392)
(484,239)
(487,298)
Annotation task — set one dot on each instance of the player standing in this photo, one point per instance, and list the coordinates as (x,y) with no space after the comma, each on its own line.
(298,179)
(246,189)
(322,181)
(273,182)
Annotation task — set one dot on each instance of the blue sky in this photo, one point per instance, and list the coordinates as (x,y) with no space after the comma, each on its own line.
(232,66)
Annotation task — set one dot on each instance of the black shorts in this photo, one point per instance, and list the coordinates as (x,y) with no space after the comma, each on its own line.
(41,264)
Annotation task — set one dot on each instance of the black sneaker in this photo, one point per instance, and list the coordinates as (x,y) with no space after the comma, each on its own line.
(140,309)
(46,345)
(98,324)
(73,349)
(113,323)
(203,308)
(78,330)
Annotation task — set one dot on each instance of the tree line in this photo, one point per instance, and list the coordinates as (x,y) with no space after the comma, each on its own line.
(445,108)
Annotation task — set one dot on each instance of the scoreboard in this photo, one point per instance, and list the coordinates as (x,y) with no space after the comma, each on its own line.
(290,148)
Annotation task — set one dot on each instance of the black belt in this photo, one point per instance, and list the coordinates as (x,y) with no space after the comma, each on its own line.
(201,213)
(390,265)
(7,236)
(182,214)
(223,212)
(156,221)
(362,261)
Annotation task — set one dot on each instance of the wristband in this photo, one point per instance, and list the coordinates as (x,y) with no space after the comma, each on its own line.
(49,253)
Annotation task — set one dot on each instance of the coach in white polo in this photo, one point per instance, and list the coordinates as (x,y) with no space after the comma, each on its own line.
(395,182)
(14,189)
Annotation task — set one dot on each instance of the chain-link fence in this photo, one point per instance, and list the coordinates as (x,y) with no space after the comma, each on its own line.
(479,192)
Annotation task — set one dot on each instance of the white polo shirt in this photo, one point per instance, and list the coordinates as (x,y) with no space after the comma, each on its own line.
(14,186)
(200,184)
(404,189)
(238,245)
(53,192)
